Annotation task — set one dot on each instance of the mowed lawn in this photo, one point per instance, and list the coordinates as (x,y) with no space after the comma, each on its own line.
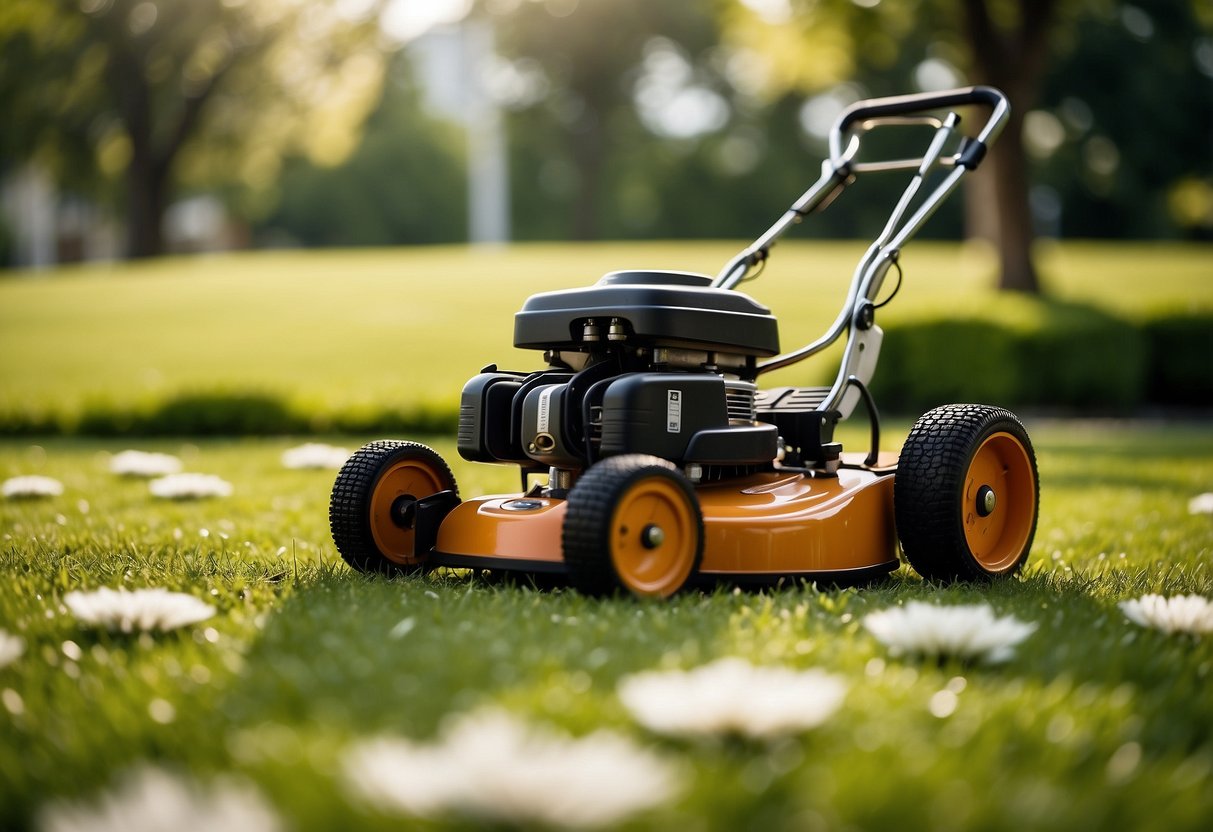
(1094,723)
(339,330)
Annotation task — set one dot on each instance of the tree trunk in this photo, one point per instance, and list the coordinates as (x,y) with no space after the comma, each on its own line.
(587,156)
(146,174)
(147,198)
(1009,170)
(981,205)
(1013,61)
(149,172)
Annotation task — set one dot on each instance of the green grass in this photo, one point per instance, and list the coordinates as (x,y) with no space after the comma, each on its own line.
(340,331)
(1095,723)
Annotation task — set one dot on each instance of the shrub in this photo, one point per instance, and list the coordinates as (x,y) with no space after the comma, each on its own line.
(934,360)
(424,417)
(1179,344)
(210,413)
(223,413)
(236,413)
(106,418)
(1083,358)
(1010,350)
(27,422)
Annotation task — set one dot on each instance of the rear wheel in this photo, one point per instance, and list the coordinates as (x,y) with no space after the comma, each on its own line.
(633,523)
(966,494)
(373,505)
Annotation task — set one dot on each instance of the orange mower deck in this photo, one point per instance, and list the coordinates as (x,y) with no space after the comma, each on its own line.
(763,527)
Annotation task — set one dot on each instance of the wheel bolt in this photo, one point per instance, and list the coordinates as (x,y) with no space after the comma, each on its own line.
(652,536)
(404,511)
(986,500)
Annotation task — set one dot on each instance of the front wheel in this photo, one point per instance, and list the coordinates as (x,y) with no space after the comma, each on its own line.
(372,511)
(633,523)
(966,494)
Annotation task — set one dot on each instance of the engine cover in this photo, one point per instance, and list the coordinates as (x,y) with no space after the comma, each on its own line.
(680,417)
(653,309)
(564,420)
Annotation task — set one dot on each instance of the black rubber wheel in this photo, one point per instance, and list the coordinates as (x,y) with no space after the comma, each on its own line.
(966,495)
(633,523)
(370,508)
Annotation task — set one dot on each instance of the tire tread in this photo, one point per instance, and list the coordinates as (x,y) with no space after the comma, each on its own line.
(587,525)
(930,479)
(349,504)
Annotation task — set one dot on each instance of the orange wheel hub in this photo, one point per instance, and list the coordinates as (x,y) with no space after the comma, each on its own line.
(999,502)
(406,481)
(653,538)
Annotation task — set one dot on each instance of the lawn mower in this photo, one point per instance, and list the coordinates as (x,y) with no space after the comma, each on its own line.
(661,462)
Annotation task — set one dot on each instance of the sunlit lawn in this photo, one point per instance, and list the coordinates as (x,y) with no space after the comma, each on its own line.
(336,330)
(1096,723)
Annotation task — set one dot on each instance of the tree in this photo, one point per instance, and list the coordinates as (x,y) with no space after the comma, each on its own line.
(1004,44)
(401,185)
(589,53)
(151,94)
(1128,118)
(1013,57)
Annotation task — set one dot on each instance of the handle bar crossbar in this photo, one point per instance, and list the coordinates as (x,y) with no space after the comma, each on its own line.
(840,170)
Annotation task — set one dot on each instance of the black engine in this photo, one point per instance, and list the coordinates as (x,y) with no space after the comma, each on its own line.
(642,362)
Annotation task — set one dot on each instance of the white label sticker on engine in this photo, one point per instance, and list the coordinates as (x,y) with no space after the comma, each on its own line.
(543,418)
(673,411)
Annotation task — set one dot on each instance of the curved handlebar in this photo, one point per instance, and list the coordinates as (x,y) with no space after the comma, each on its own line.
(902,105)
(840,170)
(905,105)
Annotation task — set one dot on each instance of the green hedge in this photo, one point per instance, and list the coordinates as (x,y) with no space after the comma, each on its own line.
(236,413)
(229,413)
(1016,351)
(1179,346)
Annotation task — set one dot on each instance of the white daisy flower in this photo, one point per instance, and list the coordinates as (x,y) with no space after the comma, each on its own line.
(1180,614)
(152,800)
(11,648)
(31,486)
(1201,503)
(491,766)
(139,610)
(144,464)
(965,632)
(189,487)
(315,455)
(733,697)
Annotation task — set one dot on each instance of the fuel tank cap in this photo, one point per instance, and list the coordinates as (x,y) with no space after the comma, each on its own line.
(522,505)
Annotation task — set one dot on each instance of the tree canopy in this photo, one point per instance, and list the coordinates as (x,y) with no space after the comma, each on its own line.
(148,94)
(626,118)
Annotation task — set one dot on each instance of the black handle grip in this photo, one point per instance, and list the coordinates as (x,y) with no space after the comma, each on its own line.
(901,105)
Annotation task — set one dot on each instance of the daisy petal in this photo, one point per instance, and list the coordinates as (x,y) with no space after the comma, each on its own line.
(140,610)
(315,455)
(971,632)
(31,486)
(143,464)
(151,800)
(1201,504)
(1179,614)
(189,487)
(732,697)
(490,766)
(11,648)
